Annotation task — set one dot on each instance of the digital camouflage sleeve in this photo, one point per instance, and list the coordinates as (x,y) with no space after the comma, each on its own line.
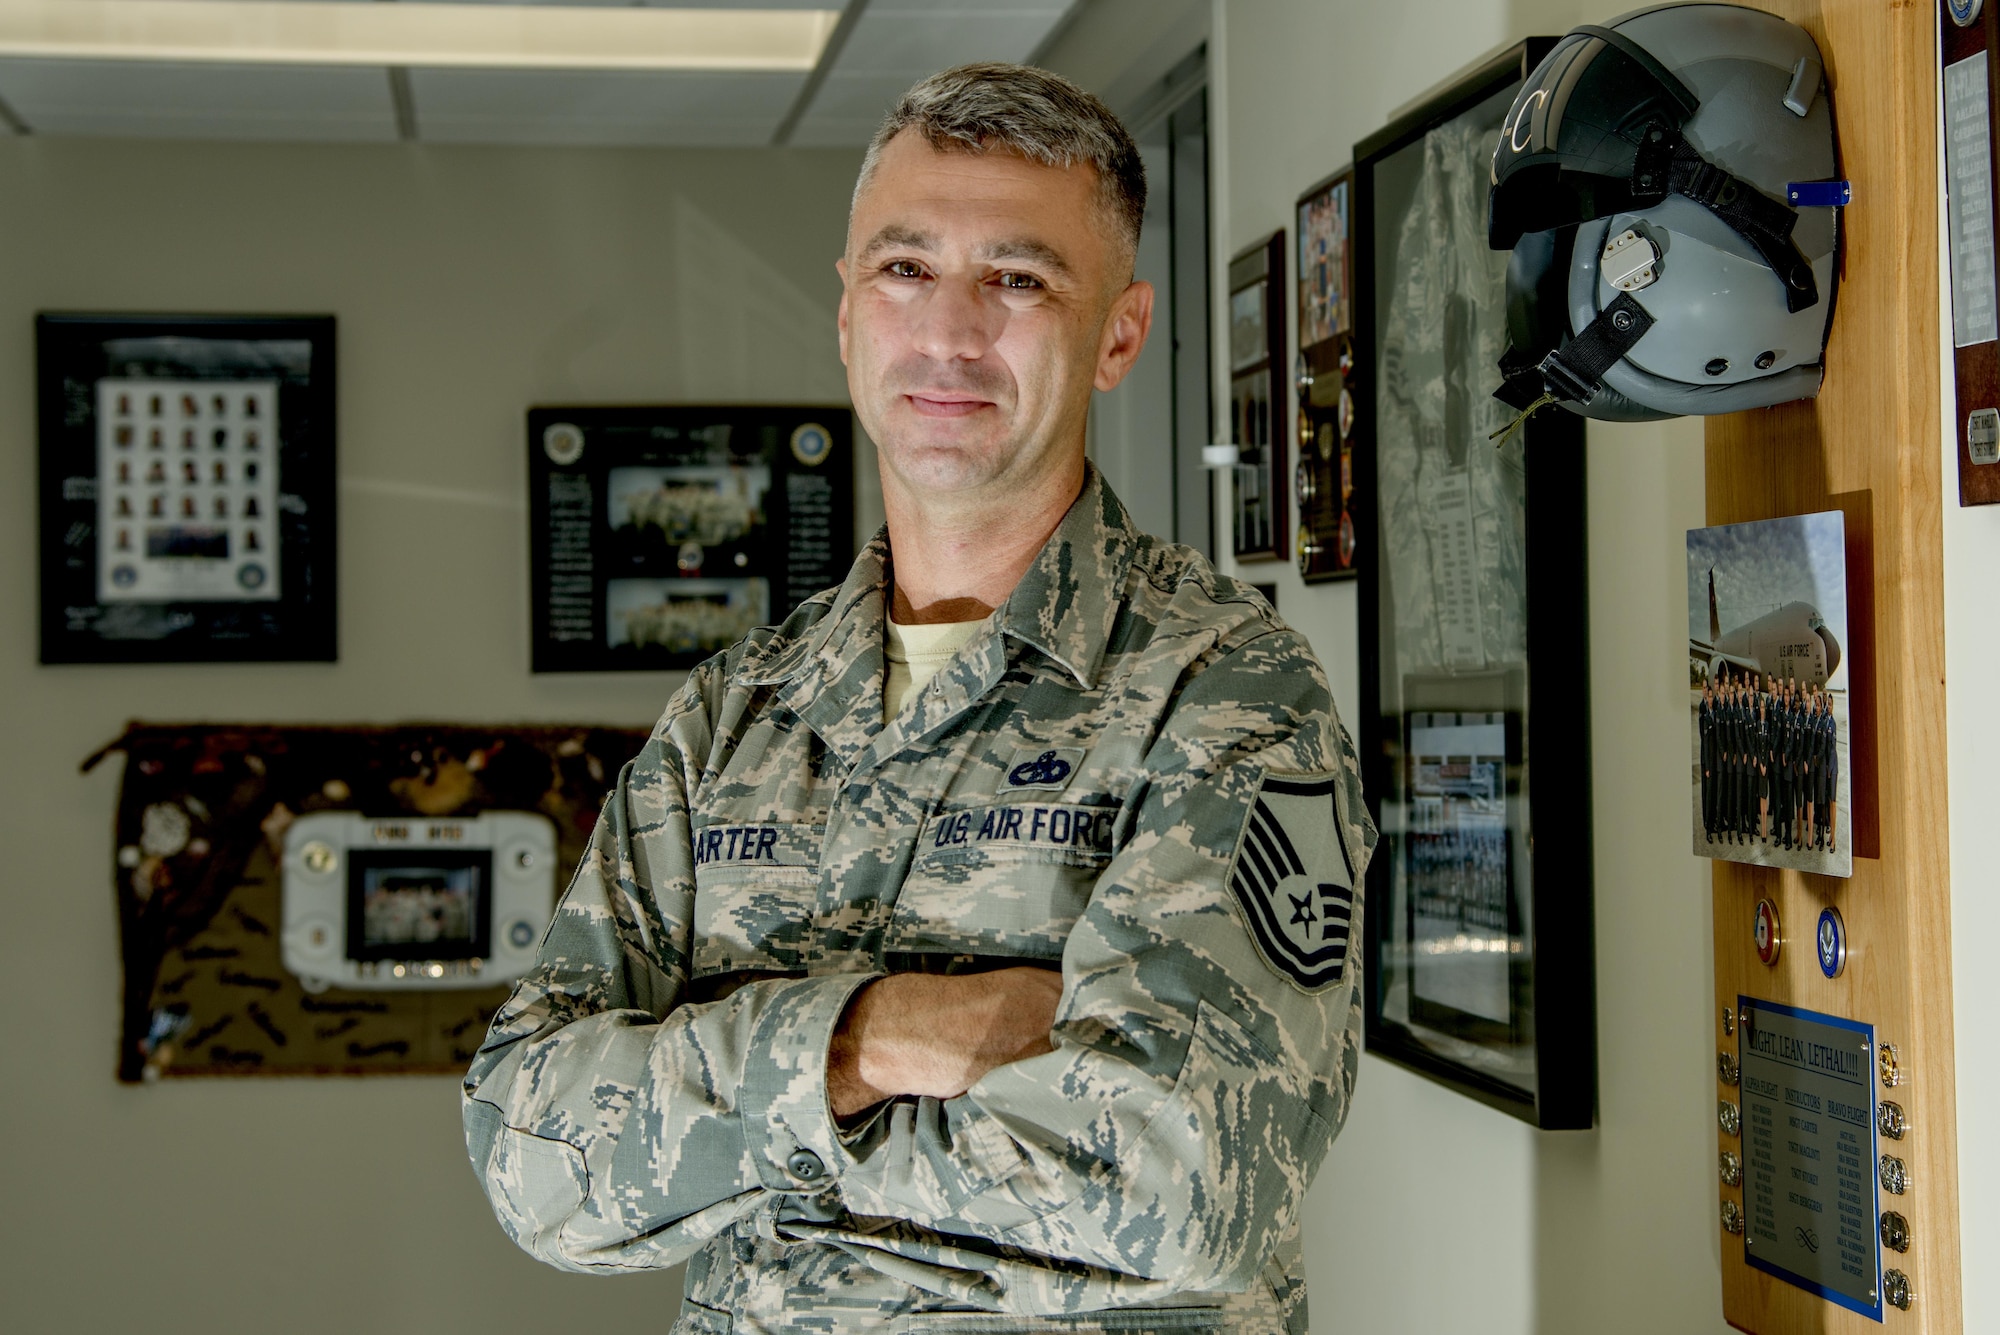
(1132,773)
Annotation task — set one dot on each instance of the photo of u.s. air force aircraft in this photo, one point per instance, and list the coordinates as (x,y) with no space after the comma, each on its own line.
(1794,643)
(1767,698)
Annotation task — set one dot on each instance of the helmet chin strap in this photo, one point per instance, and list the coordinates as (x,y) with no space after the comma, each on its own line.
(1667,163)
(1574,371)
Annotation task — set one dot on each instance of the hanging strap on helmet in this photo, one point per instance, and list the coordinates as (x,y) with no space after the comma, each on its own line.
(1667,163)
(1575,371)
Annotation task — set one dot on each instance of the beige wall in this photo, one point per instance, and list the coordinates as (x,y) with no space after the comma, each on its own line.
(469,284)
(1972,717)
(1434,1213)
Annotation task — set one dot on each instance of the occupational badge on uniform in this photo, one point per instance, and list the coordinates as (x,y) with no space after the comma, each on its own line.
(1043,767)
(1291,873)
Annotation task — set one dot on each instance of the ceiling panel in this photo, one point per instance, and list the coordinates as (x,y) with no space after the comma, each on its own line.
(893,44)
(199,101)
(897,42)
(687,109)
(681,4)
(864,97)
(905,40)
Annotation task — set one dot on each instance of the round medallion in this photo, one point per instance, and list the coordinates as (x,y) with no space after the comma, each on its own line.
(1831,940)
(1346,549)
(1304,483)
(563,443)
(1769,939)
(1346,412)
(1964,13)
(1346,474)
(811,444)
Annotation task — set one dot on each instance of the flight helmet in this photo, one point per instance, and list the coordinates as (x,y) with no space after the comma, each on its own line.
(1645,181)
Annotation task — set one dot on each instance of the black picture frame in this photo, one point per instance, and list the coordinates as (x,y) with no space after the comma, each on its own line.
(748,510)
(1330,427)
(186,488)
(1536,1062)
(1259,519)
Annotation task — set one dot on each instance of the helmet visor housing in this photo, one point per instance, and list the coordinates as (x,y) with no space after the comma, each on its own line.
(1570,143)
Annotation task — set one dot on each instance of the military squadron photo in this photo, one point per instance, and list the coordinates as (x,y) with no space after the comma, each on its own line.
(1767,693)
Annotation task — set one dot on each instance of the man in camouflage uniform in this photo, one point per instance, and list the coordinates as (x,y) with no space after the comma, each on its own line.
(1021,1000)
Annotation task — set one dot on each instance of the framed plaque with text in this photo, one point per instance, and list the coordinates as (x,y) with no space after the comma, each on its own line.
(1968,51)
(660,535)
(1475,722)
(1323,481)
(1811,1172)
(1257,399)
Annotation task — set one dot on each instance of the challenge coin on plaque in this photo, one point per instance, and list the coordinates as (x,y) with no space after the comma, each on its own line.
(811,444)
(563,443)
(1769,941)
(1831,939)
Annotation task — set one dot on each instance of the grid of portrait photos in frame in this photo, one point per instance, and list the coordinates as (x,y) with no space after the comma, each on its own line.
(187,498)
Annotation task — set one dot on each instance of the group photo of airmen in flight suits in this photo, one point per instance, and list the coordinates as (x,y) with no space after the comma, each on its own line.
(1768,698)
(1770,763)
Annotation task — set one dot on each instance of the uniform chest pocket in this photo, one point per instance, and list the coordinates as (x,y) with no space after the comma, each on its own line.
(1007,881)
(755,887)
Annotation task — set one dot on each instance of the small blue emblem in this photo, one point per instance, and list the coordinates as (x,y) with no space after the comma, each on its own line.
(1832,943)
(521,934)
(1044,770)
(1820,194)
(1963,12)
(124,576)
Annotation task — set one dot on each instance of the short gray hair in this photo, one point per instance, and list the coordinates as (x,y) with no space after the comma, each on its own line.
(1041,116)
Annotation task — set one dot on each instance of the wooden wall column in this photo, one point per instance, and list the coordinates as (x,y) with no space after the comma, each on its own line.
(1870,445)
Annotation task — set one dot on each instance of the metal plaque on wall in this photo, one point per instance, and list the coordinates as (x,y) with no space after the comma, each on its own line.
(1811,1212)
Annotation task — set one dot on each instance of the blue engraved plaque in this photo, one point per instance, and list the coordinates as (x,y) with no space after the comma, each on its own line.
(1809,1155)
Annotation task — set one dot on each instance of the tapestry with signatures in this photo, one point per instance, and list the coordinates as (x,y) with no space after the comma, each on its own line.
(197,871)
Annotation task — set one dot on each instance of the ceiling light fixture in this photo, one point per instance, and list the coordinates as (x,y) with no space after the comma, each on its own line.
(362,32)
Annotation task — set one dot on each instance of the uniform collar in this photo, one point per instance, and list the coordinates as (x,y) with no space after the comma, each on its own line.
(1064,605)
(1071,594)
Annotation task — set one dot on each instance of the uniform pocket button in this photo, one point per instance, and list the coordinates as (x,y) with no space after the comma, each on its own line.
(806,1166)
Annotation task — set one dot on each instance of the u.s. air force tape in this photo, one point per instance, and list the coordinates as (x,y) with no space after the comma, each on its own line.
(1292,875)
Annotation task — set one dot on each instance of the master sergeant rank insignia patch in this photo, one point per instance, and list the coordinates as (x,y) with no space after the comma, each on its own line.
(1292,875)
